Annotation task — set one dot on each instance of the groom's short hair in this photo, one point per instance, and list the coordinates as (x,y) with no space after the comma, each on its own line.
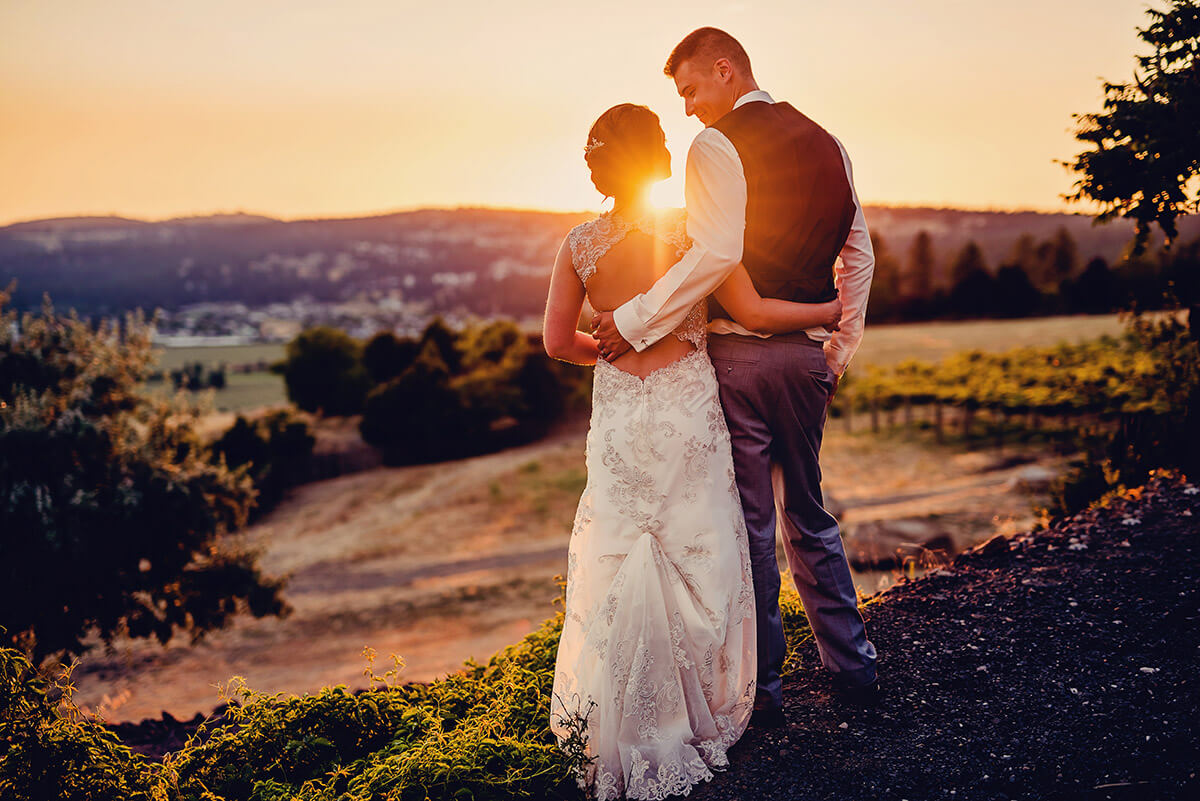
(708,45)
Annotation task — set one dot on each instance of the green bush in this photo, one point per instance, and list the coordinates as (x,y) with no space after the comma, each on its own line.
(483,389)
(1161,432)
(323,372)
(48,750)
(1126,405)
(277,449)
(111,517)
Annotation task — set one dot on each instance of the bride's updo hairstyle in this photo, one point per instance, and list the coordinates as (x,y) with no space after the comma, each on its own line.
(632,151)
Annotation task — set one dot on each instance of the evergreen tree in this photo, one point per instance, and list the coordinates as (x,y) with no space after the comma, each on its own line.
(1095,291)
(1145,145)
(1015,295)
(1065,257)
(1024,255)
(885,285)
(921,266)
(970,260)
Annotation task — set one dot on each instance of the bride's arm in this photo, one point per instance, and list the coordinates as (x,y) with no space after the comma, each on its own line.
(559,334)
(770,315)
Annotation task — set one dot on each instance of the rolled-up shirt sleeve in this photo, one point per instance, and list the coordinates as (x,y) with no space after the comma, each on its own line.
(715,192)
(852,276)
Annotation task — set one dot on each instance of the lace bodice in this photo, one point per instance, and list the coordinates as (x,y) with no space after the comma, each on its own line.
(591,240)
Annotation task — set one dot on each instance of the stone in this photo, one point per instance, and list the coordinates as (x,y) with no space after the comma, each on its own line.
(885,544)
(1033,478)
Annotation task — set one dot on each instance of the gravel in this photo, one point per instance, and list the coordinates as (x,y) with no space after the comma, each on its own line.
(1059,664)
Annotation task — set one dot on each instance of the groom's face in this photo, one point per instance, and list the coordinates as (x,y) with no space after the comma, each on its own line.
(707,91)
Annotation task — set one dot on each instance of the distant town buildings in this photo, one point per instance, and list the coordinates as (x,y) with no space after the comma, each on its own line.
(236,324)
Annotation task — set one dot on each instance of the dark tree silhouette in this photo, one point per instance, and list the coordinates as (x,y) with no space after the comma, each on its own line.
(1095,291)
(969,261)
(323,371)
(921,264)
(278,450)
(1024,255)
(1064,257)
(445,340)
(886,285)
(1015,294)
(418,416)
(1145,144)
(386,356)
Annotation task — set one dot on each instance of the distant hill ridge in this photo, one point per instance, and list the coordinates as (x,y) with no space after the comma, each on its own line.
(481,260)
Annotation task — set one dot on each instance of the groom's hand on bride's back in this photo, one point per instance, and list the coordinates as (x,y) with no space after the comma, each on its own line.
(604,331)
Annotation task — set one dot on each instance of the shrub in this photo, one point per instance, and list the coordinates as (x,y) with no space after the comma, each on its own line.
(417,416)
(111,517)
(277,449)
(1162,431)
(386,356)
(474,392)
(48,750)
(323,372)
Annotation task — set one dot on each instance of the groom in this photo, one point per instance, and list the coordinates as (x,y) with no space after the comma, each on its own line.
(768,187)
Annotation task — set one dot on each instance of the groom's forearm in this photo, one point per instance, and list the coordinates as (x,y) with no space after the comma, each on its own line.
(647,318)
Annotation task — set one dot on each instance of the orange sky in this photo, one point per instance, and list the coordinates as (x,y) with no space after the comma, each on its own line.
(297,108)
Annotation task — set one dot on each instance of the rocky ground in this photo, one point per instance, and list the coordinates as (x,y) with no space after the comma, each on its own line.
(1060,664)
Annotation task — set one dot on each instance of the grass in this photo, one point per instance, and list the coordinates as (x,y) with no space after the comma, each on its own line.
(243,391)
(885,345)
(212,355)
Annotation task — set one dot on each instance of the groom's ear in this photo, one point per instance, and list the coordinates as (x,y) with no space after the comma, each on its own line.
(722,69)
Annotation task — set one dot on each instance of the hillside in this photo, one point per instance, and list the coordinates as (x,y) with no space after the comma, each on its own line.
(1051,665)
(1056,664)
(485,261)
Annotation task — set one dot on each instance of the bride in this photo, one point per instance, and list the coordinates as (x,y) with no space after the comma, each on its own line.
(655,673)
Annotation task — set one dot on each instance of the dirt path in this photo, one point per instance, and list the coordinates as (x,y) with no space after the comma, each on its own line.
(1054,665)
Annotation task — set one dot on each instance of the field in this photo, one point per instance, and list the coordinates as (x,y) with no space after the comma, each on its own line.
(882,345)
(888,344)
(174,358)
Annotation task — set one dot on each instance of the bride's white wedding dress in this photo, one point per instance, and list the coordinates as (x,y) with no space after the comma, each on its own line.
(656,665)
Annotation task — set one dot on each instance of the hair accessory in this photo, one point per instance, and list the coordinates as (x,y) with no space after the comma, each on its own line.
(592,145)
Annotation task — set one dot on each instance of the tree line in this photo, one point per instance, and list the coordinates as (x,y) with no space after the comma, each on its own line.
(440,395)
(1036,279)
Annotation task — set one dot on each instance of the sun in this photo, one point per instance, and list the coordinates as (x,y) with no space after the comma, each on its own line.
(667,194)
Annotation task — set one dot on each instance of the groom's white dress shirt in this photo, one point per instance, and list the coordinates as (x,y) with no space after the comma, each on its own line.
(715,193)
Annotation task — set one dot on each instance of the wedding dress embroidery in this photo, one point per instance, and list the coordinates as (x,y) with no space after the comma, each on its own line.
(658,638)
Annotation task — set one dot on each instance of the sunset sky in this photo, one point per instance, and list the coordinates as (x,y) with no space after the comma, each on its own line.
(296,108)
